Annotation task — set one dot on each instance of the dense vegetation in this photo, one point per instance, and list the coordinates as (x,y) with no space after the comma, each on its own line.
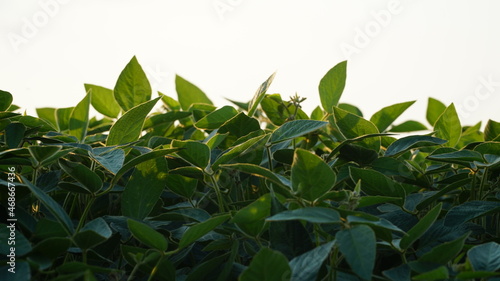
(255,191)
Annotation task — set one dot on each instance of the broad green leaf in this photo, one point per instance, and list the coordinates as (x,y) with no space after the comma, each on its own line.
(92,234)
(181,185)
(198,230)
(387,115)
(391,167)
(434,109)
(48,114)
(488,148)
(132,87)
(240,125)
(34,122)
(79,119)
(279,111)
(306,266)
(189,94)
(332,85)
(217,118)
(457,157)
(470,210)
(294,129)
(448,126)
(353,126)
(383,228)
(5,100)
(103,100)
(165,118)
(140,159)
(144,188)
(485,257)
(111,160)
(440,273)
(399,273)
(444,252)
(420,228)
(249,146)
(147,236)
(43,155)
(491,131)
(129,127)
(14,134)
(170,103)
(375,183)
(214,140)
(317,113)
(309,214)
(250,219)
(408,126)
(351,109)
(62,117)
(196,153)
(311,177)
(406,143)
(267,265)
(259,95)
(207,268)
(258,171)
(358,245)
(82,174)
(52,206)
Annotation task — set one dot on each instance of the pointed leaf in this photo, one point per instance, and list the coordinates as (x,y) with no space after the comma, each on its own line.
(62,117)
(434,109)
(332,85)
(82,174)
(198,230)
(147,236)
(132,87)
(470,210)
(93,233)
(181,185)
(406,143)
(5,100)
(14,134)
(129,127)
(217,118)
(306,266)
(387,115)
(267,265)
(485,257)
(444,252)
(189,94)
(259,95)
(194,152)
(309,214)
(294,129)
(249,146)
(408,126)
(258,171)
(103,100)
(448,126)
(491,131)
(420,228)
(48,114)
(375,183)
(358,245)
(353,126)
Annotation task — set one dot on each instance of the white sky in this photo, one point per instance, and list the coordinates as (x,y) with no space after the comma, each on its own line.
(442,49)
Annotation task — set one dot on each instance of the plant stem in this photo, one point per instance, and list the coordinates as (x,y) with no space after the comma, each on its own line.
(220,200)
(484,178)
(85,213)
(269,158)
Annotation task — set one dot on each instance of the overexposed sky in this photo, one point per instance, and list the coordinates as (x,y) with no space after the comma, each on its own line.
(397,50)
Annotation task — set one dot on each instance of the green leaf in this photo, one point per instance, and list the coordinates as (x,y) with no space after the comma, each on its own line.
(5,100)
(311,177)
(92,234)
(309,214)
(103,100)
(420,228)
(62,117)
(189,94)
(129,127)
(147,236)
(470,210)
(391,167)
(42,153)
(82,174)
(279,111)
(448,126)
(144,188)
(375,183)
(267,265)
(358,245)
(351,109)
(457,157)
(332,85)
(240,125)
(444,252)
(52,206)
(259,95)
(217,118)
(434,109)
(306,266)
(14,134)
(387,115)
(196,153)
(485,257)
(79,119)
(198,230)
(170,103)
(258,171)
(48,114)
(132,87)
(112,160)
(408,126)
(406,143)
(182,185)
(294,129)
(249,146)
(440,273)
(317,113)
(492,130)
(251,218)
(353,126)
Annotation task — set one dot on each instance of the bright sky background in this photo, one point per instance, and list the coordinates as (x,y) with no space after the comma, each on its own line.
(400,50)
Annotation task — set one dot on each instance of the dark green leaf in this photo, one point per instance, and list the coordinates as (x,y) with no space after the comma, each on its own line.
(267,265)
(358,245)
(306,266)
(485,257)
(189,94)
(375,183)
(112,159)
(132,87)
(448,126)
(353,126)
(387,115)
(128,128)
(440,273)
(14,134)
(434,109)
(444,252)
(217,118)
(240,125)
(82,174)
(147,236)
(420,228)
(332,85)
(103,100)
(406,143)
(294,129)
(249,146)
(250,219)
(491,131)
(93,233)
(196,153)
(198,230)
(22,245)
(457,157)
(408,126)
(5,100)
(258,171)
(181,185)
(309,214)
(470,210)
